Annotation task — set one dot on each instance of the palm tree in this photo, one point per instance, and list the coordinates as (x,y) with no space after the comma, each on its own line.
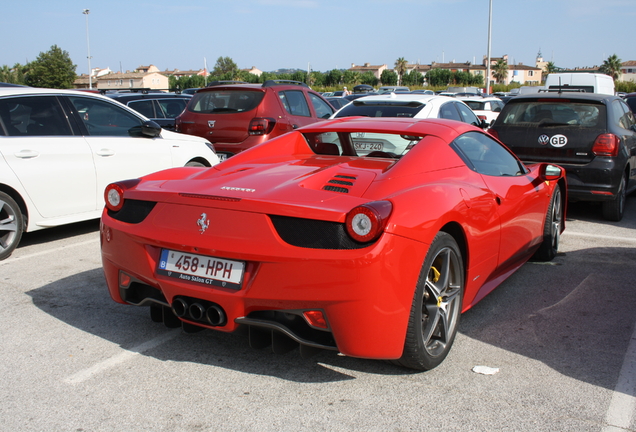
(612,67)
(500,71)
(400,68)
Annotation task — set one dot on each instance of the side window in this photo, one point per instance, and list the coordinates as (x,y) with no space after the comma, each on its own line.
(322,108)
(33,116)
(102,118)
(448,111)
(487,156)
(144,107)
(295,103)
(467,114)
(627,119)
(172,107)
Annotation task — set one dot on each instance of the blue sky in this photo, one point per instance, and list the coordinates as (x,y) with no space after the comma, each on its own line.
(326,34)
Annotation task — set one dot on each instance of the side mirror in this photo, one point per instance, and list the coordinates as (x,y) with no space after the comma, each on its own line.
(151,129)
(550,172)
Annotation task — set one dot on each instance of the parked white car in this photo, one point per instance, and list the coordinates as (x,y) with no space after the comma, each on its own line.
(486,108)
(59,149)
(410,105)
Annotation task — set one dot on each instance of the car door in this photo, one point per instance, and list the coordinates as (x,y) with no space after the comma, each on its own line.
(119,149)
(297,108)
(520,199)
(54,166)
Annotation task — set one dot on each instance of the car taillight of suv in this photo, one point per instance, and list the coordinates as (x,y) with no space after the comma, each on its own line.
(236,116)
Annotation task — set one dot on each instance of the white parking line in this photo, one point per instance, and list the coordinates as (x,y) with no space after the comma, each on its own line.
(580,234)
(621,409)
(46,252)
(88,373)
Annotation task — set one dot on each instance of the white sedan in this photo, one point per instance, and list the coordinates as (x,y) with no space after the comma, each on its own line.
(486,108)
(60,148)
(411,105)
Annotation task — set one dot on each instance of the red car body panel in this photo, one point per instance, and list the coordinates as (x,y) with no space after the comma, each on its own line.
(365,293)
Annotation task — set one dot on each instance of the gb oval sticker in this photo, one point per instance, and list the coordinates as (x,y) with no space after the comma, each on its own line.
(558,140)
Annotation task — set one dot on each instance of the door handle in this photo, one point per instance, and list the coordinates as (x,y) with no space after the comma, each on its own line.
(27,154)
(105,152)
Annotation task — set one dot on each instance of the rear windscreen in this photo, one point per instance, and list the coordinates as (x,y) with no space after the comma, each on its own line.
(558,112)
(225,101)
(381,109)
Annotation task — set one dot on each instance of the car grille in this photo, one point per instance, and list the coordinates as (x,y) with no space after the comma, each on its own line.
(340,183)
(314,234)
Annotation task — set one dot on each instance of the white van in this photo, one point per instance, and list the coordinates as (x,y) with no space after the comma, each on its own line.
(587,82)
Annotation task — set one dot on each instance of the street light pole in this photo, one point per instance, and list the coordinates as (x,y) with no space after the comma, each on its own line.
(488,59)
(88,45)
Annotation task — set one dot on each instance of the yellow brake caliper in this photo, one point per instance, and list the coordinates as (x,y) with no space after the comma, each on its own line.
(435,274)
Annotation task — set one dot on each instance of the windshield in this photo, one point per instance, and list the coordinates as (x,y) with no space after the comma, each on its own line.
(557,112)
(225,101)
(381,109)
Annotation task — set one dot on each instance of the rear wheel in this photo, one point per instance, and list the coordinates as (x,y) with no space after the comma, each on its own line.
(194,164)
(11,225)
(552,228)
(613,210)
(436,308)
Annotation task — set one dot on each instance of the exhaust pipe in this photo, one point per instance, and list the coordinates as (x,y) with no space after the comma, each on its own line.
(215,315)
(197,311)
(179,307)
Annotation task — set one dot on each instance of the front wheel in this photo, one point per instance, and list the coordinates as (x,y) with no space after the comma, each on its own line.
(11,225)
(436,307)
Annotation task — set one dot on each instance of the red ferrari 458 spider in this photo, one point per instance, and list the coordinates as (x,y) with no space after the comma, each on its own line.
(303,242)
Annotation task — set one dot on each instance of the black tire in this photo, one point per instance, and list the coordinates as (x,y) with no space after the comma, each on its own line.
(436,307)
(552,228)
(11,225)
(614,210)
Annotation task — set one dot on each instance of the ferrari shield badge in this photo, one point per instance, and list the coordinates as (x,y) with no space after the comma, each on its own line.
(203,223)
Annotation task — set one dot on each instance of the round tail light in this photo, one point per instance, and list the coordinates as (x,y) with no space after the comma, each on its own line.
(114,193)
(365,223)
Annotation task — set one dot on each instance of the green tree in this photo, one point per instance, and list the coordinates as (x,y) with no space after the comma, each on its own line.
(611,67)
(333,78)
(225,67)
(388,77)
(351,77)
(52,69)
(438,77)
(400,68)
(413,78)
(500,71)
(14,75)
(369,78)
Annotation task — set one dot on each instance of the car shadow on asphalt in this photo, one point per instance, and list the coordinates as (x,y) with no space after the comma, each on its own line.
(58,233)
(82,301)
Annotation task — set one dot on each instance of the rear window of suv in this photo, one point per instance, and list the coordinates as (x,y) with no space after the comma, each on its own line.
(381,109)
(559,112)
(225,101)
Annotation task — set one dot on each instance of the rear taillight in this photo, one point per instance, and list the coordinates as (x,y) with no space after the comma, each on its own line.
(114,193)
(493,132)
(365,223)
(606,145)
(261,126)
(482,117)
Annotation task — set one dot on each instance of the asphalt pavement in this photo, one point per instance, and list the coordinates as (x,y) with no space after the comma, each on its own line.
(557,341)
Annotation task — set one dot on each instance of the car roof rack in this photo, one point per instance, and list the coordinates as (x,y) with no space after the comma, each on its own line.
(226,82)
(270,83)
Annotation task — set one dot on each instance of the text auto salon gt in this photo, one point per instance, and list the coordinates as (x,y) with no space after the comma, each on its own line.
(304,242)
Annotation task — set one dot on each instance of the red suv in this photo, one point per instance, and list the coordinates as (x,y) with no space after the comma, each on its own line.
(235,116)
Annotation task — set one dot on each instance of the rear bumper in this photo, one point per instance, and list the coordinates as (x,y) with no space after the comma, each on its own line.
(364,294)
(598,180)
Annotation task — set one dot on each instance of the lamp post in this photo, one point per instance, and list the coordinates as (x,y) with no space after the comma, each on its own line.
(88,45)
(488,59)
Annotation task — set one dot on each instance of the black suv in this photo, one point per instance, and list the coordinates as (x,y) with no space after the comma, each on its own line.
(236,116)
(159,107)
(592,136)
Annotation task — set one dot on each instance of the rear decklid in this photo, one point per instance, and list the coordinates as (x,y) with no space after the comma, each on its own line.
(222,114)
(552,129)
